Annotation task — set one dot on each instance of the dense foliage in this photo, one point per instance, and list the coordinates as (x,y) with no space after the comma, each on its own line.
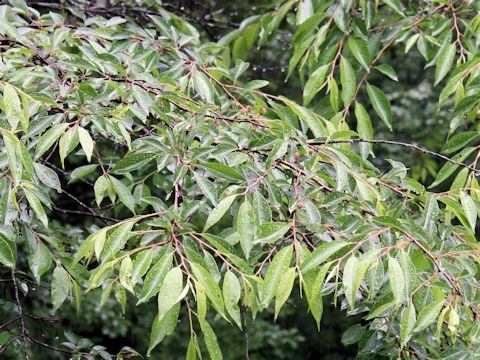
(197,190)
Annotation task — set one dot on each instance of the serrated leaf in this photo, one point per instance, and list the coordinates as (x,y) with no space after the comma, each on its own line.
(13,107)
(141,264)
(163,327)
(428,315)
(407,324)
(321,254)
(39,261)
(284,290)
(170,291)
(132,162)
(348,79)
(123,193)
(212,289)
(36,206)
(82,171)
(86,141)
(48,139)
(278,267)
(47,176)
(270,232)
(8,252)
(387,70)
(231,294)
(381,104)
(219,210)
(315,83)
(470,209)
(155,276)
(246,227)
(397,280)
(360,50)
(116,240)
(60,287)
(445,59)
(207,187)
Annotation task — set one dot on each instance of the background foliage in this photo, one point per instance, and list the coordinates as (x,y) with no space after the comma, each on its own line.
(162,182)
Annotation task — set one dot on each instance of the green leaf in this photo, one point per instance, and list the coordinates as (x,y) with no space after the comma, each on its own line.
(141,264)
(407,324)
(123,193)
(40,261)
(270,232)
(132,162)
(278,267)
(48,139)
(261,209)
(314,84)
(397,280)
(223,171)
(155,276)
(428,315)
(360,50)
(458,141)
(387,70)
(100,187)
(246,227)
(47,176)
(231,294)
(86,141)
(321,254)
(125,274)
(364,128)
(203,87)
(60,287)
(449,167)
(395,6)
(210,340)
(170,292)
(116,240)
(207,187)
(36,206)
(445,59)
(470,209)
(8,252)
(284,290)
(219,210)
(163,327)
(13,107)
(348,79)
(210,286)
(82,171)
(381,104)
(13,149)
